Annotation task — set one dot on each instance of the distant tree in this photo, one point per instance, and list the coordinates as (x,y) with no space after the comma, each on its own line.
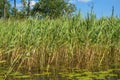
(15,10)
(4,8)
(24,7)
(53,8)
(28,8)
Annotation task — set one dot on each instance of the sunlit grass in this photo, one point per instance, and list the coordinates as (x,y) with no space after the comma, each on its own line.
(65,42)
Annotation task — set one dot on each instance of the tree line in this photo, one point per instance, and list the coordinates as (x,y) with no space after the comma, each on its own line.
(43,8)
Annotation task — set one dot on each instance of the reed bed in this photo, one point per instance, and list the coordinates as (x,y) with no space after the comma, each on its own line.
(83,43)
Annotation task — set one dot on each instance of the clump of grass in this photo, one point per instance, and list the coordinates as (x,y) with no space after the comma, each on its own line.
(75,42)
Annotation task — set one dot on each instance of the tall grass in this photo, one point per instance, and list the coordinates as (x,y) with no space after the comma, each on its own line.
(76,42)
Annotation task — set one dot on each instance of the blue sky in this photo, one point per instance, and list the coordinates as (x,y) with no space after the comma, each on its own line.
(101,7)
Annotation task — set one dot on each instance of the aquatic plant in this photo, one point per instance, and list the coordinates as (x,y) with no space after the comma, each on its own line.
(83,43)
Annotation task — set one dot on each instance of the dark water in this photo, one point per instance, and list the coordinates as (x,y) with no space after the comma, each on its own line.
(73,74)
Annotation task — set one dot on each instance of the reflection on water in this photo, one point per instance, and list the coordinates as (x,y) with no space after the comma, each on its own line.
(73,74)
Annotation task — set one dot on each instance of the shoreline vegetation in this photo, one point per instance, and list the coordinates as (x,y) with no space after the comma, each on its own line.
(81,43)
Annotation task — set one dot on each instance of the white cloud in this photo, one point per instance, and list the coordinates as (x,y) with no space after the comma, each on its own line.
(84,1)
(72,1)
(18,5)
(33,3)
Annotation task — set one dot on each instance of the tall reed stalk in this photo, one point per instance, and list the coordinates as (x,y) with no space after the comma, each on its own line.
(75,42)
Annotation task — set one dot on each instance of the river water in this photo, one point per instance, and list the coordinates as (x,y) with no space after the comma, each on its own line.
(64,74)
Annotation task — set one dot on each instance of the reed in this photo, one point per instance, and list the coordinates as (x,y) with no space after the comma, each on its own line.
(84,43)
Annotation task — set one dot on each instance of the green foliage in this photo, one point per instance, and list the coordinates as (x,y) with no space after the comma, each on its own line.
(24,8)
(2,8)
(53,8)
(69,42)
